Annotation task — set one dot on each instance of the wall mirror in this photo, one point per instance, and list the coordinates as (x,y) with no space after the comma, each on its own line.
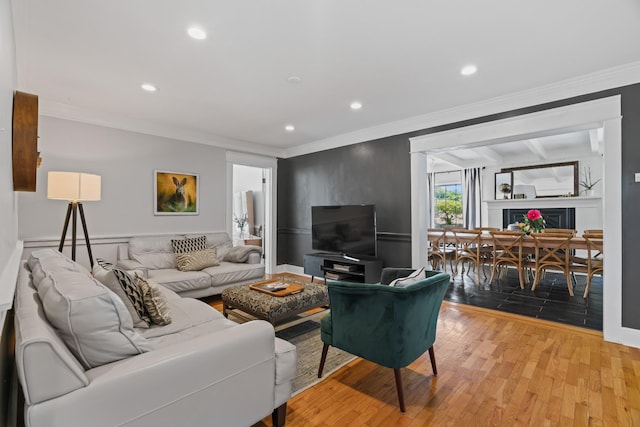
(550,180)
(504,185)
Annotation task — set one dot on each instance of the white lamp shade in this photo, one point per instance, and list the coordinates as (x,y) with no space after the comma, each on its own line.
(73,186)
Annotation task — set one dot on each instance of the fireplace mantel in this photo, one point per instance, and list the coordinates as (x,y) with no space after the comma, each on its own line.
(545,202)
(588,209)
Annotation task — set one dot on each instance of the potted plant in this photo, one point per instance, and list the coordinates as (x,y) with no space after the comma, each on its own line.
(587,183)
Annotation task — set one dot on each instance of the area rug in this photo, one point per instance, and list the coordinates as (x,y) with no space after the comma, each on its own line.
(306,337)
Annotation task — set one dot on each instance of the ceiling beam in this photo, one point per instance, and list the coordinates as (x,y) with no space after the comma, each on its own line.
(536,148)
(489,154)
(448,158)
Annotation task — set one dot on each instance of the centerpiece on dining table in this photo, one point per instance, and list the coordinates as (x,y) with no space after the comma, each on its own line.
(532,222)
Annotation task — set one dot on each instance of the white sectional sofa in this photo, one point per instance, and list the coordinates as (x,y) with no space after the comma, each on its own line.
(82,363)
(154,255)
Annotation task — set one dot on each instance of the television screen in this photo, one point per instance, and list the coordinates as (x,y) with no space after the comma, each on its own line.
(346,229)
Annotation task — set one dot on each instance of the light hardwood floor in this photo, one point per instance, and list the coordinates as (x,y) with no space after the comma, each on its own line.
(494,369)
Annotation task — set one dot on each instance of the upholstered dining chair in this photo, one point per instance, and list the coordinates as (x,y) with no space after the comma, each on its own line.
(388,325)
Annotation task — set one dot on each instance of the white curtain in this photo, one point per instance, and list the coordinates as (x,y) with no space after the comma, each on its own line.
(472,197)
(431,197)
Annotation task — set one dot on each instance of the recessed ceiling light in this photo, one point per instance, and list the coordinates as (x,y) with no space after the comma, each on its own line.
(289,128)
(356,105)
(468,70)
(149,87)
(294,79)
(196,33)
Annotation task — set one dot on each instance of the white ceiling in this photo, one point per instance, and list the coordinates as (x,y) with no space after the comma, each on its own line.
(86,59)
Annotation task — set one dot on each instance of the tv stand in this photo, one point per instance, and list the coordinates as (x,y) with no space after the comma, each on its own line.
(342,267)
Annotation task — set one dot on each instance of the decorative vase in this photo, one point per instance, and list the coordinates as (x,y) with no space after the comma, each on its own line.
(588,193)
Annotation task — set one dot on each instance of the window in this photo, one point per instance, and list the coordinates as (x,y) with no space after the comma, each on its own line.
(448,199)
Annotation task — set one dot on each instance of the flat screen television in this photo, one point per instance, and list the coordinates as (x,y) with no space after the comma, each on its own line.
(347,229)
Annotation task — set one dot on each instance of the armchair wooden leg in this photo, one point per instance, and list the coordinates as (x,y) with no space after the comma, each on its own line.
(396,371)
(432,356)
(325,348)
(279,415)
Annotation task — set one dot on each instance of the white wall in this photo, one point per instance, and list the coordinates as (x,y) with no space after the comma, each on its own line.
(126,161)
(8,82)
(9,246)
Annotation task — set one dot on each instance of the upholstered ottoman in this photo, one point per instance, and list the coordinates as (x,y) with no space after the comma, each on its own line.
(272,308)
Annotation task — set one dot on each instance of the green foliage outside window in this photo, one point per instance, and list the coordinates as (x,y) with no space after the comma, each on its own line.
(448,207)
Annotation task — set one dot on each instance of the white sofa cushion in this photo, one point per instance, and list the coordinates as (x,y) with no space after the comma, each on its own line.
(179,281)
(43,261)
(230,272)
(185,313)
(92,321)
(153,252)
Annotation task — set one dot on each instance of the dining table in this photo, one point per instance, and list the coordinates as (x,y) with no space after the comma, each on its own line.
(576,242)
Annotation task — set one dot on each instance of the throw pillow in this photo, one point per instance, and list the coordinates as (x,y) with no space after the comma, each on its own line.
(123,285)
(414,277)
(154,301)
(197,260)
(91,320)
(189,244)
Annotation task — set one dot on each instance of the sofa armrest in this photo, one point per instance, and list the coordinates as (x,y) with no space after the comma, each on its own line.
(221,371)
(254,258)
(133,266)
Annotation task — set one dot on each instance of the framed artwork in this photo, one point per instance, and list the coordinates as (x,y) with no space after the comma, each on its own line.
(504,185)
(176,193)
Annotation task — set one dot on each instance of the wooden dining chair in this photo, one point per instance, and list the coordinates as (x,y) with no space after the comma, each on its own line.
(595,258)
(439,250)
(470,248)
(552,253)
(507,250)
(560,231)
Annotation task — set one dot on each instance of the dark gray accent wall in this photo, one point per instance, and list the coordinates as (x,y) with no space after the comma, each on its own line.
(375,172)
(378,172)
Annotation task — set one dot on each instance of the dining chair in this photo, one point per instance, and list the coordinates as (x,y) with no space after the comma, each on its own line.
(507,250)
(439,250)
(552,253)
(560,231)
(594,261)
(470,248)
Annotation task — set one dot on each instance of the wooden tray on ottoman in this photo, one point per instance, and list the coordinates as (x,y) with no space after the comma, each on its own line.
(291,288)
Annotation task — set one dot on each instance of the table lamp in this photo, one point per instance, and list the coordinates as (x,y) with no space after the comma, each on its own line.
(75,187)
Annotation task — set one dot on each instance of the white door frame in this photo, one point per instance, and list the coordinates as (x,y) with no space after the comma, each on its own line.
(605,113)
(270,167)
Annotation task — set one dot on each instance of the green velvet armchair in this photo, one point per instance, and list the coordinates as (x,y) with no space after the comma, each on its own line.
(390,326)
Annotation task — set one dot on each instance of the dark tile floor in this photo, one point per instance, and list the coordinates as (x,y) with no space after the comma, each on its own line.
(550,300)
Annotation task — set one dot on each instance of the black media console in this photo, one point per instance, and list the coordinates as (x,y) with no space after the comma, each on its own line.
(337,267)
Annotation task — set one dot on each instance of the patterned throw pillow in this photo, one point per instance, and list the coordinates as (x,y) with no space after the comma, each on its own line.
(195,261)
(123,285)
(189,244)
(154,301)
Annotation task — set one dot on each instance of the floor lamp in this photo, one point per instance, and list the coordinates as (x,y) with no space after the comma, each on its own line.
(75,187)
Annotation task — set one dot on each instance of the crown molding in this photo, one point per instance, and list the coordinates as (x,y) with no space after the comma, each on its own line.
(601,80)
(101,118)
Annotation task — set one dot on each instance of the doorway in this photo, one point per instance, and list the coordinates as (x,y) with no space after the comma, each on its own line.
(251,203)
(603,112)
